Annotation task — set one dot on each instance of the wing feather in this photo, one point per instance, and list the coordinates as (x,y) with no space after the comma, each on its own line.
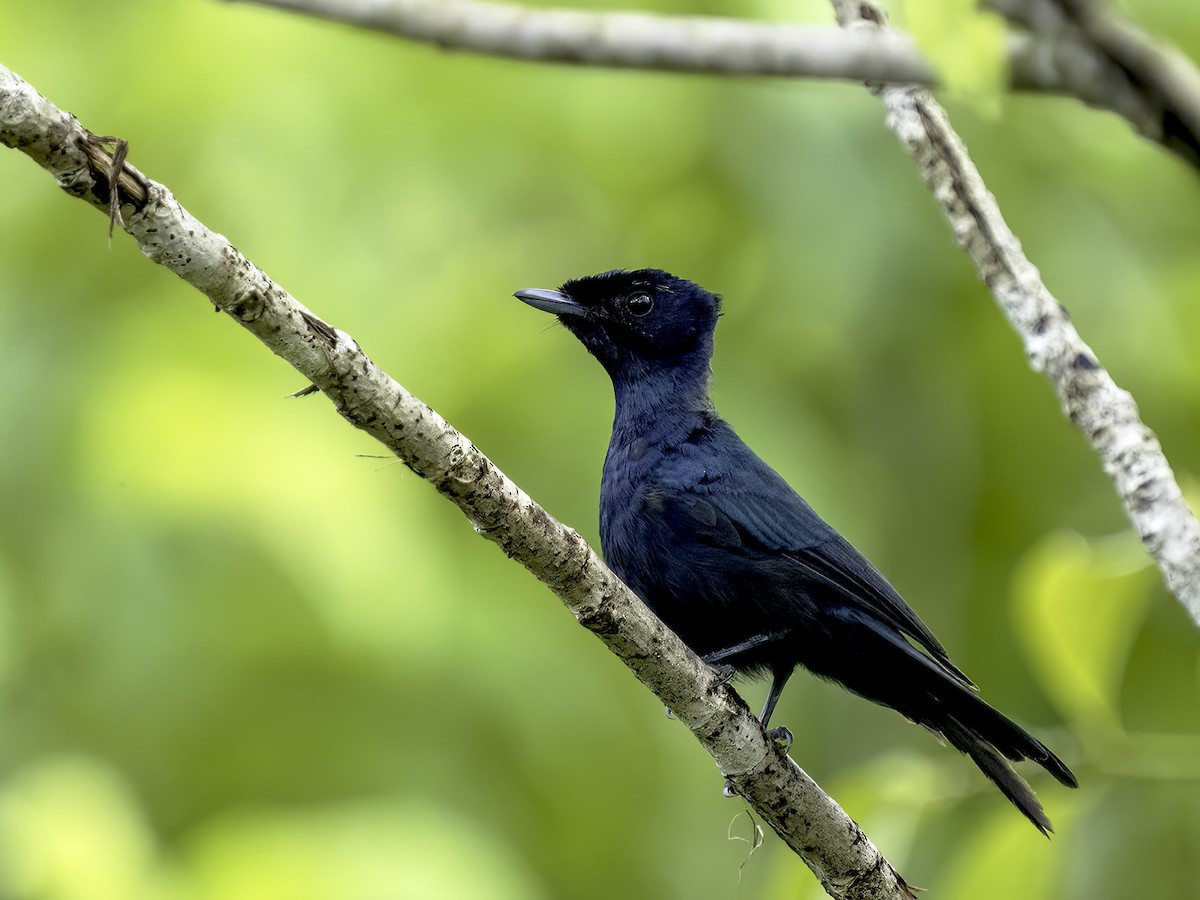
(748,505)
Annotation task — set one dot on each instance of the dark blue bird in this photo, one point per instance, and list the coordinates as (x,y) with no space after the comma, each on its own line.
(734,560)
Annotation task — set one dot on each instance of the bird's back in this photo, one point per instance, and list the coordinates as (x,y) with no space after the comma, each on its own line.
(722,548)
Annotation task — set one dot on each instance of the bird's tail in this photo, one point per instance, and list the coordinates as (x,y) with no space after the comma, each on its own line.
(894,672)
(990,739)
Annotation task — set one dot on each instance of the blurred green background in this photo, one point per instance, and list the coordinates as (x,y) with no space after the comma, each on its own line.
(241,657)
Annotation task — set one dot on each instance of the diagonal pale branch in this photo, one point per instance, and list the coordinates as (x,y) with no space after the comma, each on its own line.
(1106,415)
(811,823)
(1059,62)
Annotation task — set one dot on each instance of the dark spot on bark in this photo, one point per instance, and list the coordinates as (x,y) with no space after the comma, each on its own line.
(870,13)
(1085,362)
(249,307)
(541,519)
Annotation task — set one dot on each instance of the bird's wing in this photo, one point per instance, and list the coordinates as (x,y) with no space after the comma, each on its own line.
(751,506)
(838,564)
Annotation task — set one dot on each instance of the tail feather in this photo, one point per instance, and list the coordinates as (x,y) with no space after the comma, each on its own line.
(920,687)
(994,765)
(873,659)
(977,721)
(991,739)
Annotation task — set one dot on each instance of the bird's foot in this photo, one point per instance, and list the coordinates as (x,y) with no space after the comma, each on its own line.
(781,736)
(729,790)
(724,672)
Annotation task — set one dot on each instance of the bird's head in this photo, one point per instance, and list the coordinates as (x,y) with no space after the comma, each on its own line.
(637,321)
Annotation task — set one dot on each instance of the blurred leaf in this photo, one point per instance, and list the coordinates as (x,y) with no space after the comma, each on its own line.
(364,851)
(1078,605)
(1152,820)
(8,639)
(71,830)
(1005,857)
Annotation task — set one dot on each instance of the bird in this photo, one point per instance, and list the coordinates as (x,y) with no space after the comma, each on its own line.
(732,559)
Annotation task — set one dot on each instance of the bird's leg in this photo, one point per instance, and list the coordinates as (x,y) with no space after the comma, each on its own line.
(778,680)
(725,672)
(717,659)
(780,676)
(719,656)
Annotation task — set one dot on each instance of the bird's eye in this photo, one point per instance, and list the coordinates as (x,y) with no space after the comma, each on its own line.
(640,304)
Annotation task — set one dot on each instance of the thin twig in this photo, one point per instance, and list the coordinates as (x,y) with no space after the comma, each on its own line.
(1150,83)
(1055,62)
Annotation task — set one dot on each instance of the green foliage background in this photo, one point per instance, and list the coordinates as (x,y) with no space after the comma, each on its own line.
(242,658)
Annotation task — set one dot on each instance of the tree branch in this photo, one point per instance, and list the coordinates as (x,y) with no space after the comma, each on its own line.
(1052,59)
(1107,415)
(631,40)
(1152,85)
(830,842)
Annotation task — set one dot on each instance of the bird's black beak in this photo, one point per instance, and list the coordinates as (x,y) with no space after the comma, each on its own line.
(550,301)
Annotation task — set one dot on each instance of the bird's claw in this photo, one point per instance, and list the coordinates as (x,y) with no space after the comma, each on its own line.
(724,672)
(781,736)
